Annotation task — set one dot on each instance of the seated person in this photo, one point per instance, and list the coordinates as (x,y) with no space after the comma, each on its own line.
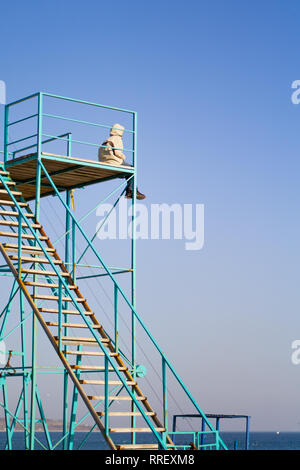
(111,152)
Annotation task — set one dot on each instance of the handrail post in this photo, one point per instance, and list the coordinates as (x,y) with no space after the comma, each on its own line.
(6,137)
(116,318)
(165,406)
(19,245)
(74,249)
(106,400)
(59,314)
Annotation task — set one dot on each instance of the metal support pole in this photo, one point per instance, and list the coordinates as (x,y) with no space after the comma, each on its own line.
(6,137)
(106,398)
(133,263)
(116,318)
(165,407)
(34,320)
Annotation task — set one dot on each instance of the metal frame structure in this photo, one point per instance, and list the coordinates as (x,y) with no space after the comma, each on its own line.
(218,417)
(30,177)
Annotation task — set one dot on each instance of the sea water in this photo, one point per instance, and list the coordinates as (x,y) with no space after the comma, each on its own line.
(258,440)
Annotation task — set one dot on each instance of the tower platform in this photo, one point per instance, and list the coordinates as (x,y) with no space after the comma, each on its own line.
(66,172)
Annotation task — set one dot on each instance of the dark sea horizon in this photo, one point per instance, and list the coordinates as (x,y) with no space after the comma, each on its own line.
(258,440)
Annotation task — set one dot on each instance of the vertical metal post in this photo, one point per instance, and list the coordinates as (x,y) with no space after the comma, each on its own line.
(6,137)
(247,432)
(6,414)
(67,258)
(133,262)
(74,403)
(19,245)
(165,407)
(116,318)
(59,314)
(25,376)
(74,249)
(202,431)
(106,398)
(34,320)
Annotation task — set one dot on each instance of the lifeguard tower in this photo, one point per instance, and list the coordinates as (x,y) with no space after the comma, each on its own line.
(93,361)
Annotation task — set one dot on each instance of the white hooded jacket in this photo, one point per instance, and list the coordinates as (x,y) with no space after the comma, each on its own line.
(111,151)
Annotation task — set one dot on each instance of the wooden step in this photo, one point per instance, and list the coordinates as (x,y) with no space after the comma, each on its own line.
(43,273)
(12,223)
(83,341)
(120,430)
(64,311)
(14,193)
(31,259)
(35,249)
(15,214)
(91,353)
(73,325)
(136,446)
(23,235)
(116,398)
(99,368)
(55,297)
(47,284)
(4,173)
(9,183)
(126,413)
(4,202)
(102,382)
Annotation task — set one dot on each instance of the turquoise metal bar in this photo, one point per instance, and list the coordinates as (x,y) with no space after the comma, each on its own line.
(43,419)
(106,395)
(34,320)
(22,140)
(85,143)
(90,103)
(6,414)
(74,404)
(6,136)
(116,318)
(13,103)
(83,122)
(23,119)
(25,378)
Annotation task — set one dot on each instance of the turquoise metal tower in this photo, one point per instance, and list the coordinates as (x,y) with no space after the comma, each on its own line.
(47,305)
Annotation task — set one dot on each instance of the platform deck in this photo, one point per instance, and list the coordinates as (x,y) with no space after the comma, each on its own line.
(66,172)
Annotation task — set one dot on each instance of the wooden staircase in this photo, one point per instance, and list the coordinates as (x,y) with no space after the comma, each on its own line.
(44,279)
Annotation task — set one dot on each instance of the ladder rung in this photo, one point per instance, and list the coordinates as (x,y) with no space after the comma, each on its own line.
(99,368)
(9,183)
(12,223)
(126,413)
(14,193)
(72,325)
(85,340)
(90,353)
(136,430)
(23,235)
(43,273)
(34,249)
(64,311)
(46,284)
(31,259)
(136,446)
(55,297)
(4,173)
(117,398)
(14,214)
(102,382)
(4,202)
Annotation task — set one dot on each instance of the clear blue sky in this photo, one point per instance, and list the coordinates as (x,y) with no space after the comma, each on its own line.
(211,82)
